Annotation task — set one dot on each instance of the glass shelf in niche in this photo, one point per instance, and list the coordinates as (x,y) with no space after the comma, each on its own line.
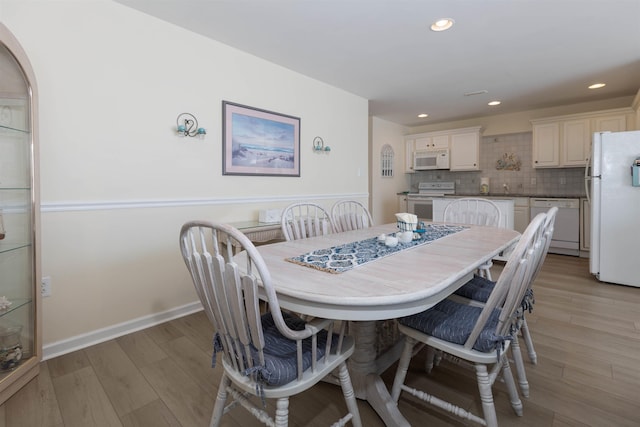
(27,188)
(14,115)
(16,219)
(10,246)
(11,129)
(15,305)
(15,153)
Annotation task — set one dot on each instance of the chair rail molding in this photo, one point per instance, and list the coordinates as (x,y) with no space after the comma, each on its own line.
(70,206)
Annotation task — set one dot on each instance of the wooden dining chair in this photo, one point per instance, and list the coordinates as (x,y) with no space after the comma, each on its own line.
(474,211)
(479,288)
(302,220)
(548,233)
(264,356)
(350,215)
(480,335)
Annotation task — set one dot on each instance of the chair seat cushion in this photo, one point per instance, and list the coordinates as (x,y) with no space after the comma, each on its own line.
(477,289)
(453,322)
(280,352)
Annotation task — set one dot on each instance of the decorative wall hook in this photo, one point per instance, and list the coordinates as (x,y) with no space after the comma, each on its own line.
(187,125)
(318,145)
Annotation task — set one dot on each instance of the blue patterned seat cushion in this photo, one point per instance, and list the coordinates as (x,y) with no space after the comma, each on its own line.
(280,352)
(477,289)
(453,322)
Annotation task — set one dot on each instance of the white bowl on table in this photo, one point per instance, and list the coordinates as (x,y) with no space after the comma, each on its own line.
(391,241)
(405,236)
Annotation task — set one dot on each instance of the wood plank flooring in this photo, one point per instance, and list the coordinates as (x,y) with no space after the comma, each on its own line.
(587,337)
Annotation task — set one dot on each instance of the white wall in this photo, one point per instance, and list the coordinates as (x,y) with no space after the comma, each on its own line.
(117,184)
(383,189)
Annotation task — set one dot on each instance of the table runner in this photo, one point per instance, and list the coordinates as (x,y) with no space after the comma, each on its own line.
(339,259)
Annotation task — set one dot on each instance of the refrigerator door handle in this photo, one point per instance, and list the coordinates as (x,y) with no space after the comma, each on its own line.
(587,178)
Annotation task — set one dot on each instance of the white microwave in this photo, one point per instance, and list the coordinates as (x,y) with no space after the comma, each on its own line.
(431,159)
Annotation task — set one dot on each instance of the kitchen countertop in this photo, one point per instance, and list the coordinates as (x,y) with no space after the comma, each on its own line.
(510,195)
(538,196)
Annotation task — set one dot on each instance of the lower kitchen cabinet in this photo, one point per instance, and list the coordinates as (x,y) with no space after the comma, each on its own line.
(521,211)
(521,214)
(505,206)
(402,203)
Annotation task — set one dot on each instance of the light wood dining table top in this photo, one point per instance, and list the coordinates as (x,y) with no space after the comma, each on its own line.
(399,284)
(406,282)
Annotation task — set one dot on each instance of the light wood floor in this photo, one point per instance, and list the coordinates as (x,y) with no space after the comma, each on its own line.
(587,336)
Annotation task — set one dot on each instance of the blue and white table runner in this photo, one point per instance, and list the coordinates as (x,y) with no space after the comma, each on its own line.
(339,259)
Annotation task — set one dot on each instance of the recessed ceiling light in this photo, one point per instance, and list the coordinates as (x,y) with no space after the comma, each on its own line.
(597,85)
(442,24)
(423,115)
(494,103)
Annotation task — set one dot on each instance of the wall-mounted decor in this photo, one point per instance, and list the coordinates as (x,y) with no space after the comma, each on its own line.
(187,125)
(319,147)
(386,161)
(259,142)
(509,161)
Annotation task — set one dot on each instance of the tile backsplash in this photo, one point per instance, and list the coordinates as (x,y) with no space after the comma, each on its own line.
(506,161)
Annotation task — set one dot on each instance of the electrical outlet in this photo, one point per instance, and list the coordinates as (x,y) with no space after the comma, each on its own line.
(533,181)
(45,288)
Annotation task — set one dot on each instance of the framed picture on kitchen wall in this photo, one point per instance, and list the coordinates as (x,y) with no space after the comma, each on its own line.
(259,142)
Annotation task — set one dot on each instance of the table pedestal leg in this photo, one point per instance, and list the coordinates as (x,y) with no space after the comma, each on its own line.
(366,380)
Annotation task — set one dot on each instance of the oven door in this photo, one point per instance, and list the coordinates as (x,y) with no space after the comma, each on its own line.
(421,206)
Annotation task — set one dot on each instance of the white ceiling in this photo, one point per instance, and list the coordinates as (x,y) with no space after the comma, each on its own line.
(528,54)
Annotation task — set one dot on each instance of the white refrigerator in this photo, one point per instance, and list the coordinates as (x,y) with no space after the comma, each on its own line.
(615,208)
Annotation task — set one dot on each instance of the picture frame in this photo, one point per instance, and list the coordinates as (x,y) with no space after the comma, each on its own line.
(259,142)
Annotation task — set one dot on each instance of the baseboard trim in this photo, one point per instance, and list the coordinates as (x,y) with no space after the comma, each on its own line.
(79,342)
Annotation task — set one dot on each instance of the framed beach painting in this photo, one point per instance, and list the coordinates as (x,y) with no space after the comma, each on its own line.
(259,142)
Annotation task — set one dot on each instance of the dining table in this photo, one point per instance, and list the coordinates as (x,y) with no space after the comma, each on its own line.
(396,282)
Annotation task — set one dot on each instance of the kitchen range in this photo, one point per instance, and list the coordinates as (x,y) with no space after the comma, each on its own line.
(421,203)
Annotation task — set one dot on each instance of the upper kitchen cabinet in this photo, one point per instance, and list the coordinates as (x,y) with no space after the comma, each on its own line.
(409,148)
(465,150)
(615,123)
(546,145)
(576,142)
(432,142)
(20,343)
(565,141)
(463,145)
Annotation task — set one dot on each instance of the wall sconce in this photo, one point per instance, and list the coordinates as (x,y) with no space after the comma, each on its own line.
(187,125)
(319,147)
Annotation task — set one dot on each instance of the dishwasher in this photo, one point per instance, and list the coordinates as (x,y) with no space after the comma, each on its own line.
(566,232)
